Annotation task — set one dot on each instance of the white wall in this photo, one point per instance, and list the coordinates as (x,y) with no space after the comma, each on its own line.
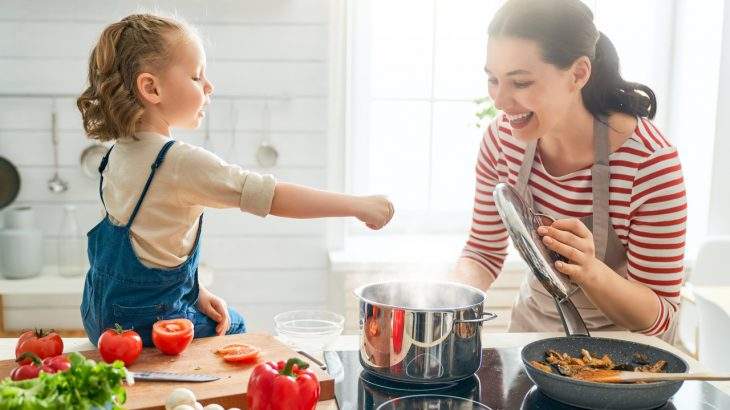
(720,199)
(256,48)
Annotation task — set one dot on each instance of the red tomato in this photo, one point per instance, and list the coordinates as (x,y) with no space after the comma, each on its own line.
(239,353)
(57,363)
(120,344)
(172,336)
(30,370)
(41,342)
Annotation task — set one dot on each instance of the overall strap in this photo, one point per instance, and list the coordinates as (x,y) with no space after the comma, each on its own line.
(155,165)
(601,178)
(102,167)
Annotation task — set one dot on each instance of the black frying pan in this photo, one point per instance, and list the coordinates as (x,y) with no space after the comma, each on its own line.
(9,182)
(593,395)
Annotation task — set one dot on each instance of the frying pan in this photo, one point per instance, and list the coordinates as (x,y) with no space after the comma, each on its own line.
(521,225)
(9,182)
(593,395)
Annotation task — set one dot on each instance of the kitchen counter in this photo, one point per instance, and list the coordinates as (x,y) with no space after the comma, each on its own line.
(494,340)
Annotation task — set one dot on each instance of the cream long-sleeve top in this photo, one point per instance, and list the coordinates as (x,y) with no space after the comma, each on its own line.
(190,179)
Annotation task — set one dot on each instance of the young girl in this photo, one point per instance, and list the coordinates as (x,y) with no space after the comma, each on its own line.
(147,76)
(577,141)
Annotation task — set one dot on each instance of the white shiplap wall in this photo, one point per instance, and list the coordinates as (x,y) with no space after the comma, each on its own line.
(256,48)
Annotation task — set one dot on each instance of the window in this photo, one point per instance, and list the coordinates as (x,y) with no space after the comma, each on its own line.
(416,67)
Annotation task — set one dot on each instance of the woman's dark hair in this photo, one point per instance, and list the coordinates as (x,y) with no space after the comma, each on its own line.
(564,30)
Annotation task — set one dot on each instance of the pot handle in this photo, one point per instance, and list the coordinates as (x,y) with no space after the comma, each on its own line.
(486,316)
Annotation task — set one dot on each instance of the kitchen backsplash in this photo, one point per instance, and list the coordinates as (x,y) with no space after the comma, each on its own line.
(256,49)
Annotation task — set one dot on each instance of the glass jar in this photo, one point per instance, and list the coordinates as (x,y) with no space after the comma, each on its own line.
(72,259)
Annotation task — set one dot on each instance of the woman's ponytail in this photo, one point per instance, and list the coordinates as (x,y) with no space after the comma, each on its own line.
(606,91)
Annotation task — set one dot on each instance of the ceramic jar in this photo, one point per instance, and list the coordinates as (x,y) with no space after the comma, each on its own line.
(21,245)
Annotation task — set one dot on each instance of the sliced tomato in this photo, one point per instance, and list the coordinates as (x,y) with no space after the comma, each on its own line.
(239,353)
(172,336)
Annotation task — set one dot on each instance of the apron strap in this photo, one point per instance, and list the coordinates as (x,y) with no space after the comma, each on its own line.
(601,177)
(102,167)
(155,165)
(523,177)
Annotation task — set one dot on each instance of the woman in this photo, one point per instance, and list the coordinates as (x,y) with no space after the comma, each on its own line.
(578,142)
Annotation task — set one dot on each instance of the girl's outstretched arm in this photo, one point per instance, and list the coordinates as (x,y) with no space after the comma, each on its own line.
(297,201)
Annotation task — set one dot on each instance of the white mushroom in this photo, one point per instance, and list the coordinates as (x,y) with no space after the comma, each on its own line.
(184,407)
(214,407)
(198,406)
(180,397)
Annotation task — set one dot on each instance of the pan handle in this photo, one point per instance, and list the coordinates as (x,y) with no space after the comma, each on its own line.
(486,316)
(572,321)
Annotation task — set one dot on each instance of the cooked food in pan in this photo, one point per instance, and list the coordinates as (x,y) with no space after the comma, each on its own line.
(580,367)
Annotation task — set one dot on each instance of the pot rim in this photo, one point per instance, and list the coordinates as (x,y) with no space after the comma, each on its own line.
(359,291)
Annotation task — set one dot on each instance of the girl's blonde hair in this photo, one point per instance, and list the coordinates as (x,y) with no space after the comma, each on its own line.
(109,106)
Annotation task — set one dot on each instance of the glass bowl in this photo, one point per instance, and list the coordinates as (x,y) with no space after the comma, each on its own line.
(310,330)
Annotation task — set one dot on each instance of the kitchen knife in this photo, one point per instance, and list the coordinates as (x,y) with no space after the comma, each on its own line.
(172,377)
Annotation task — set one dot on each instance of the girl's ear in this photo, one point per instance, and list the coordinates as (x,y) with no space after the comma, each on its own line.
(580,72)
(148,88)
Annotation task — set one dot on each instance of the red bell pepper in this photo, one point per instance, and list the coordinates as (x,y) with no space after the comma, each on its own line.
(283,386)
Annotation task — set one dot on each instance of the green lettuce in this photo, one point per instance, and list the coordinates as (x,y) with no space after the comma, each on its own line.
(86,385)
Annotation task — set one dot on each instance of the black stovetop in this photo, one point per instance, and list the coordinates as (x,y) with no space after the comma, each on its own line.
(500,383)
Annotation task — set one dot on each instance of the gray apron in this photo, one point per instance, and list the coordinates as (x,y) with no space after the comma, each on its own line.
(534,310)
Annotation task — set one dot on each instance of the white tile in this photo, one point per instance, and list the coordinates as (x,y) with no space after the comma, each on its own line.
(27,76)
(69,40)
(260,317)
(264,252)
(259,286)
(224,11)
(46,317)
(290,43)
(268,78)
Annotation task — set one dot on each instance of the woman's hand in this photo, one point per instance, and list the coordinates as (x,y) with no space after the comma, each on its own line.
(376,211)
(215,308)
(572,239)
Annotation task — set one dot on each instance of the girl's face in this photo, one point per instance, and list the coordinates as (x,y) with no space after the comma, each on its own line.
(536,96)
(185,89)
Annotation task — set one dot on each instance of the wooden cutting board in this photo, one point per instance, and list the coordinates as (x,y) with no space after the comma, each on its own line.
(199,357)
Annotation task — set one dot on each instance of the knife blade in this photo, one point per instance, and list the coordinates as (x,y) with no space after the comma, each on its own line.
(172,377)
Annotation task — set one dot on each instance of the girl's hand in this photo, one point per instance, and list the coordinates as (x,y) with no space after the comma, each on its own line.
(572,239)
(215,308)
(376,211)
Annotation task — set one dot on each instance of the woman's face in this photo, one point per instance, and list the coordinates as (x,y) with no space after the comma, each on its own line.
(535,95)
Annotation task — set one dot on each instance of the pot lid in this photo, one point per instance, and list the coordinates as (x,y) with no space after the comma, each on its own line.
(522,223)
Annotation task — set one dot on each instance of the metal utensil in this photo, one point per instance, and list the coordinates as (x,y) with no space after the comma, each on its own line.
(172,377)
(313,359)
(522,223)
(266,154)
(90,159)
(56,185)
(9,182)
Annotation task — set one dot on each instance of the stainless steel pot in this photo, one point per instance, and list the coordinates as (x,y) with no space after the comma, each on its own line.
(421,332)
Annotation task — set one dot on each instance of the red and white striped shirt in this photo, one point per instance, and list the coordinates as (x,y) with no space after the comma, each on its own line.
(647,206)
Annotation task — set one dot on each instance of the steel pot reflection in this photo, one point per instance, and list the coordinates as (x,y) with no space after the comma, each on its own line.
(421,332)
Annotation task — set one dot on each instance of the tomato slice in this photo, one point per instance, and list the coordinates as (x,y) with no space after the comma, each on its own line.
(172,336)
(239,353)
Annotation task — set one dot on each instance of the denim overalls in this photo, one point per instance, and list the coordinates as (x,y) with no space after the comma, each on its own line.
(120,289)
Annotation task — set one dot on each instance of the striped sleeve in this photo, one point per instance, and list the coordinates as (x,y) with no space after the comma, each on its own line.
(487,243)
(657,227)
